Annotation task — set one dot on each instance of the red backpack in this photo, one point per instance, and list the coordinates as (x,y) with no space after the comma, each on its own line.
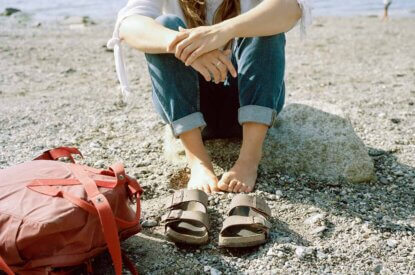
(56,216)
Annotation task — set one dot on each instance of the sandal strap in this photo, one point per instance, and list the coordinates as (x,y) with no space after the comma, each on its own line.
(257,221)
(176,215)
(254,202)
(186,195)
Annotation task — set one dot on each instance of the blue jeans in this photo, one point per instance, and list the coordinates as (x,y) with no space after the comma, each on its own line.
(185,100)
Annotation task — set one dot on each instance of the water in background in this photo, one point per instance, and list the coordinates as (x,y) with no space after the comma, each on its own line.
(48,9)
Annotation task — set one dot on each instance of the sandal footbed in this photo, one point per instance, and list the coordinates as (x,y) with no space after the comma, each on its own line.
(189,232)
(243,235)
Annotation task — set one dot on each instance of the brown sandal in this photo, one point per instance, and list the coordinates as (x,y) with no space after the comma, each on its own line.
(187,220)
(247,224)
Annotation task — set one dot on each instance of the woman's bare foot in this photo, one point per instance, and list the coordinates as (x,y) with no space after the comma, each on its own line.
(202,175)
(203,178)
(241,177)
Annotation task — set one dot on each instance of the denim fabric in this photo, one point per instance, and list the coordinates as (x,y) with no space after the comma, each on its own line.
(186,101)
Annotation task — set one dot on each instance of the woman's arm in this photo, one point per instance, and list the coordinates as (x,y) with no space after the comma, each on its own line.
(268,18)
(147,35)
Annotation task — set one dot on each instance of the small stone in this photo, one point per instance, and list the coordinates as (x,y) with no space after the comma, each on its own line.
(399,173)
(214,271)
(317,218)
(69,71)
(378,269)
(100,163)
(320,255)
(383,180)
(392,243)
(206,268)
(319,230)
(395,120)
(278,194)
(302,252)
(270,253)
(149,223)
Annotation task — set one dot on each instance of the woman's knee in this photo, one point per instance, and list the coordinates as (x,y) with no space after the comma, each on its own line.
(263,45)
(171,21)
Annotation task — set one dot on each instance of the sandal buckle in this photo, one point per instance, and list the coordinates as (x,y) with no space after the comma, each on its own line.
(174,214)
(177,197)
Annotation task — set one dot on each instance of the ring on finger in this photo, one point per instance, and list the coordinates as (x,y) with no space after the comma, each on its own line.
(218,63)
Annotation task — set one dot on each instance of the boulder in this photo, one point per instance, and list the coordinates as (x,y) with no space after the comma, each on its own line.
(318,140)
(311,138)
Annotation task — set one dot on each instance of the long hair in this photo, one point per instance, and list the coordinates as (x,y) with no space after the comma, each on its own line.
(195,11)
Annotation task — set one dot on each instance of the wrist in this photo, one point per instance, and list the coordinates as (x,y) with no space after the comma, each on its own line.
(169,38)
(229,28)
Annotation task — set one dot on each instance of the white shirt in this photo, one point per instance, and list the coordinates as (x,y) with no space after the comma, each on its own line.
(155,8)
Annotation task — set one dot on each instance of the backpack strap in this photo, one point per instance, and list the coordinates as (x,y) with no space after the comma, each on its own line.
(59,152)
(5,267)
(106,216)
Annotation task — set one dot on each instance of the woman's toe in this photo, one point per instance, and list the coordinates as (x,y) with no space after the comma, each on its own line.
(206,188)
(223,184)
(237,187)
(232,185)
(214,187)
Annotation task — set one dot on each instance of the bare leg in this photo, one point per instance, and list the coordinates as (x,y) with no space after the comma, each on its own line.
(202,175)
(242,176)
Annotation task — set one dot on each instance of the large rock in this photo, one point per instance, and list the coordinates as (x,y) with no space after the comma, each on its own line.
(310,138)
(317,139)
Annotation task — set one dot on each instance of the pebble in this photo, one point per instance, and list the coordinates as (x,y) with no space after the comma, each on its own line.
(214,271)
(319,230)
(378,269)
(278,194)
(302,252)
(149,223)
(100,163)
(320,255)
(392,243)
(383,180)
(314,219)
(206,268)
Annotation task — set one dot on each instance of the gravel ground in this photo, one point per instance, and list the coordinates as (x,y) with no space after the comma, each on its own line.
(58,87)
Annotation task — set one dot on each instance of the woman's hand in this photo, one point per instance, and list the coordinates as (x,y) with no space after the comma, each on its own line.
(192,43)
(214,64)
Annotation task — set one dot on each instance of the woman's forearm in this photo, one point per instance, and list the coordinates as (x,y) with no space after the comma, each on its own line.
(145,34)
(268,18)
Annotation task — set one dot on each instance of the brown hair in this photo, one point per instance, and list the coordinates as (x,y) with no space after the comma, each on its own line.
(195,11)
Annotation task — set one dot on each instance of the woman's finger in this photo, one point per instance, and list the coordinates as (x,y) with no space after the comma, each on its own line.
(214,71)
(188,51)
(203,71)
(181,46)
(222,69)
(225,60)
(195,55)
(178,38)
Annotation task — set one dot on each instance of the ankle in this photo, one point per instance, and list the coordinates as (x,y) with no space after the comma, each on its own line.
(200,163)
(248,161)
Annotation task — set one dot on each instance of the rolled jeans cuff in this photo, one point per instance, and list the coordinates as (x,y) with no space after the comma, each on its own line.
(187,123)
(257,114)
